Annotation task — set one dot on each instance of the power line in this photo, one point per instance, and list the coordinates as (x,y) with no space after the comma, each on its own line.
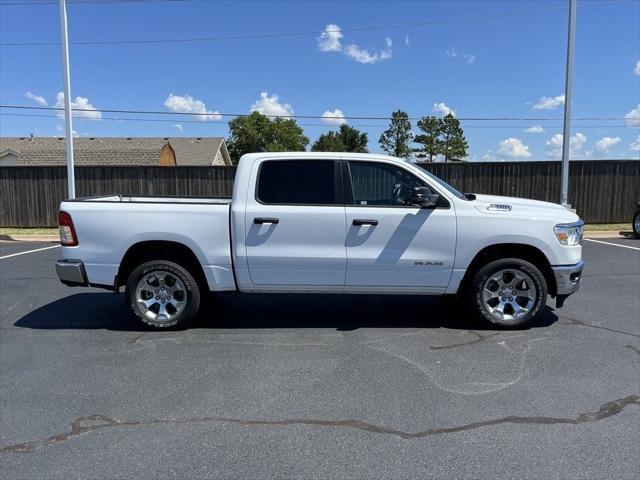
(294,34)
(91,2)
(224,123)
(97,2)
(317,117)
(276,35)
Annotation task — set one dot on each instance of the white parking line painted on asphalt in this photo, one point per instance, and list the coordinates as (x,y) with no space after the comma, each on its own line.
(609,243)
(29,251)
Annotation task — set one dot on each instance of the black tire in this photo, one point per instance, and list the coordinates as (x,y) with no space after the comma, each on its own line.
(636,224)
(481,309)
(191,294)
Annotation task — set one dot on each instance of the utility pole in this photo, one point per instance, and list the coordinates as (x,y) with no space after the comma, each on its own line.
(66,78)
(568,88)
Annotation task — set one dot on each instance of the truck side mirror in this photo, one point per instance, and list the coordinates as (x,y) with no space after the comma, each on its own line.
(423,197)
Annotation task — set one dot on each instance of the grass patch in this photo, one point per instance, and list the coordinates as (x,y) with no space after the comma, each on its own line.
(28,231)
(598,227)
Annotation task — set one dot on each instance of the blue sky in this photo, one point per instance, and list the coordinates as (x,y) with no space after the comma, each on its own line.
(473,57)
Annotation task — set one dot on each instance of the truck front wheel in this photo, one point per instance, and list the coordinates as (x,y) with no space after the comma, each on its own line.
(509,292)
(162,294)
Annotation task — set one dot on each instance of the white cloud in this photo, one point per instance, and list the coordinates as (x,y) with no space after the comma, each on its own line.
(632,119)
(535,129)
(334,118)
(178,126)
(514,148)
(554,144)
(271,106)
(362,55)
(188,104)
(329,39)
(454,53)
(451,52)
(636,70)
(81,103)
(407,42)
(549,103)
(443,109)
(74,133)
(40,100)
(635,146)
(605,143)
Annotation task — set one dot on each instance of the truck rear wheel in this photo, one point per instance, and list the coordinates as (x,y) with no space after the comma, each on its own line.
(162,294)
(510,292)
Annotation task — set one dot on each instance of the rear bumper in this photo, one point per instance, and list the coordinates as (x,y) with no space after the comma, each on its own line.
(568,278)
(72,273)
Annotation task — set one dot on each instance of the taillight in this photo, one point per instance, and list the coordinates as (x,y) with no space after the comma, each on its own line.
(68,236)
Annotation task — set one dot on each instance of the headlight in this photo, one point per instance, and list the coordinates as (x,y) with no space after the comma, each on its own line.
(569,234)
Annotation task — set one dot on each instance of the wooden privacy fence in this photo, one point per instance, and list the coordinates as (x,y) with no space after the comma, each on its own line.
(602,191)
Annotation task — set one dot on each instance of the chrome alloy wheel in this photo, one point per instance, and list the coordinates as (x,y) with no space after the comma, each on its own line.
(161,296)
(509,294)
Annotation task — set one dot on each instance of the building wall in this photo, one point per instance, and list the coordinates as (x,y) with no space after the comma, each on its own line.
(219,160)
(8,160)
(167,155)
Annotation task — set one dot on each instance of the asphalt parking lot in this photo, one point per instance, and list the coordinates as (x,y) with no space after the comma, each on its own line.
(318,386)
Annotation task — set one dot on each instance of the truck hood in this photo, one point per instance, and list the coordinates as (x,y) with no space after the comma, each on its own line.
(522,207)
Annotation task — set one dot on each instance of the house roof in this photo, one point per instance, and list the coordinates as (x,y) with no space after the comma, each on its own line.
(115,150)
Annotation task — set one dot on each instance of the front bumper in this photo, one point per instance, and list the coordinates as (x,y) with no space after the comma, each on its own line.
(568,279)
(72,273)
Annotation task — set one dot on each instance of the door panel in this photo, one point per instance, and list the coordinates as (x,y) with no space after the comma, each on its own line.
(305,247)
(407,247)
(289,240)
(391,243)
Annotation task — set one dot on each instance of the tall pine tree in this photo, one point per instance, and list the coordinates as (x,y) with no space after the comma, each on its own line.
(454,145)
(395,140)
(429,140)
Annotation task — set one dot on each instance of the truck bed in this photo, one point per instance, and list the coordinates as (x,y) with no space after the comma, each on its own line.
(108,226)
(154,199)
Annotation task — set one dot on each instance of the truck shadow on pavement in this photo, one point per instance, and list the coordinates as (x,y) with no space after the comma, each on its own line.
(87,311)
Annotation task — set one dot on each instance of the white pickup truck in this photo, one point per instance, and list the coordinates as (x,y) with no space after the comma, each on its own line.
(330,223)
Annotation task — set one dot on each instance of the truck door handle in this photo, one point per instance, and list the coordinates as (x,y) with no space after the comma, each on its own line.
(358,222)
(261,220)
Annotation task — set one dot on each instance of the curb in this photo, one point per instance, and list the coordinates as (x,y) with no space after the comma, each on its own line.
(30,238)
(608,234)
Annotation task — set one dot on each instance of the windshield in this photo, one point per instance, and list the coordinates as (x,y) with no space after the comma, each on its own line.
(443,184)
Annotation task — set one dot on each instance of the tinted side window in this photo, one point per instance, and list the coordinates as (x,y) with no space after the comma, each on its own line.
(381,184)
(304,182)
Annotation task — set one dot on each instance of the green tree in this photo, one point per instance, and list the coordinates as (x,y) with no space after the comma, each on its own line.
(430,142)
(259,133)
(353,139)
(395,140)
(454,145)
(328,142)
(348,139)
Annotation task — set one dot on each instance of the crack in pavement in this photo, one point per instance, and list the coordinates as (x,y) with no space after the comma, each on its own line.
(137,337)
(481,338)
(580,323)
(93,423)
(634,348)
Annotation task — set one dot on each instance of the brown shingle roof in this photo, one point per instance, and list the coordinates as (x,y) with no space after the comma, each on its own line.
(114,150)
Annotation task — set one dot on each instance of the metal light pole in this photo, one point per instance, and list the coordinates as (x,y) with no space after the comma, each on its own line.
(71,183)
(568,88)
